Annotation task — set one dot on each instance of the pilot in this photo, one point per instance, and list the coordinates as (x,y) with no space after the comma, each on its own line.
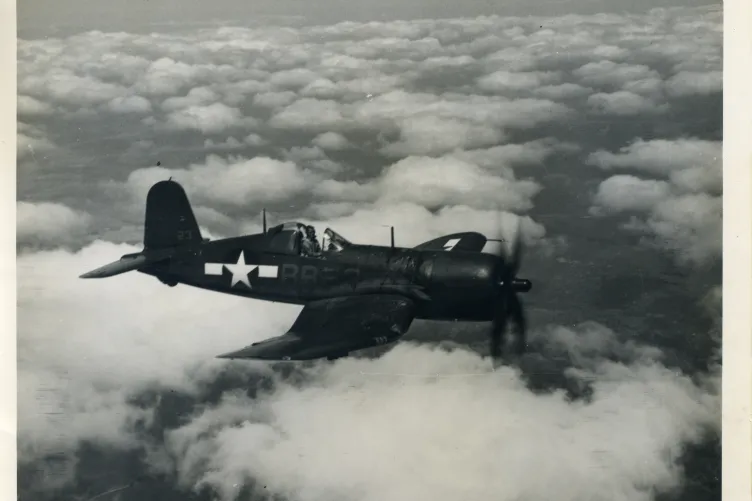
(308,243)
(313,242)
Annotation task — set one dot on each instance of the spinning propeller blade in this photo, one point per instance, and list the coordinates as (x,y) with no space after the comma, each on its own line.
(509,309)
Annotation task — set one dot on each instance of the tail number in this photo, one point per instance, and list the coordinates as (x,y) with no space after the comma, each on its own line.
(381,339)
(185,235)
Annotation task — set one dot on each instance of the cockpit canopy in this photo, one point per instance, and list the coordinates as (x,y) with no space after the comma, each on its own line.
(294,238)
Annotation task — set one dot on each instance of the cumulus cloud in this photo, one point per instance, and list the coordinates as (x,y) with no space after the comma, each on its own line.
(32,142)
(49,224)
(226,445)
(229,181)
(63,86)
(660,156)
(605,72)
(28,106)
(623,103)
(433,183)
(212,118)
(688,224)
(231,143)
(630,193)
(688,83)
(130,104)
(684,209)
(69,345)
(503,81)
(364,421)
(431,135)
(331,141)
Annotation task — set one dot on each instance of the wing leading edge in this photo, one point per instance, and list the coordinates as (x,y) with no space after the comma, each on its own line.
(334,327)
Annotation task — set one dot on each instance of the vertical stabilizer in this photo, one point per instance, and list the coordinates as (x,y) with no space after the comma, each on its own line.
(169,219)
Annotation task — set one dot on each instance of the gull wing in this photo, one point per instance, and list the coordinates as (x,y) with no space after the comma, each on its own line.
(336,326)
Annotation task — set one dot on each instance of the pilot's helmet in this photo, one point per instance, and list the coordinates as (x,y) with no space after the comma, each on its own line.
(310,230)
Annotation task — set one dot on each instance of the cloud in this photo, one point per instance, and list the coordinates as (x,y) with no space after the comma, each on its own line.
(503,81)
(197,96)
(331,141)
(684,209)
(689,83)
(231,143)
(630,193)
(234,181)
(434,136)
(209,119)
(130,104)
(278,438)
(432,127)
(32,142)
(89,346)
(28,106)
(49,224)
(687,224)
(63,86)
(660,156)
(364,421)
(623,103)
(609,73)
(433,183)
(274,99)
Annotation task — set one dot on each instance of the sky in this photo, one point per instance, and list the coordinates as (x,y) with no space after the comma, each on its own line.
(41,17)
(600,132)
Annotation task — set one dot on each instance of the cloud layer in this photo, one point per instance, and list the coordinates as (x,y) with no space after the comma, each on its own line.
(388,426)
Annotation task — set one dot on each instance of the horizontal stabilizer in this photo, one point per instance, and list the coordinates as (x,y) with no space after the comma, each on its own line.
(125,264)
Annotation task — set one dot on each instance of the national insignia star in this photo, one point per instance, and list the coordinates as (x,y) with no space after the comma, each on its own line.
(240,271)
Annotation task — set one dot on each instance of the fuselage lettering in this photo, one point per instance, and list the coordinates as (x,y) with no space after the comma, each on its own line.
(308,273)
(289,272)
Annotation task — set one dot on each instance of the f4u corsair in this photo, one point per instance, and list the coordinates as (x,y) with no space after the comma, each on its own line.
(353,296)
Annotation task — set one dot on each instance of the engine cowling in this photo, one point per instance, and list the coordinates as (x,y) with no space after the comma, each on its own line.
(460,285)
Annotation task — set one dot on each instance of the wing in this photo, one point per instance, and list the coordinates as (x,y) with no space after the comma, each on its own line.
(334,327)
(469,241)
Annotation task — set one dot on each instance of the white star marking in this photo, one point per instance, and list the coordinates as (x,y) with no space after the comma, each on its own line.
(450,244)
(241,269)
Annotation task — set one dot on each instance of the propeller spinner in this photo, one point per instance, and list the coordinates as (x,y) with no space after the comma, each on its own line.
(509,308)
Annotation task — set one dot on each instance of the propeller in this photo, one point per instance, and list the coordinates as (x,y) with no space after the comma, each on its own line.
(508,308)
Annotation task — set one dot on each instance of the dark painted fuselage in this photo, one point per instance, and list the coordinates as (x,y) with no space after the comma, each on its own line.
(444,285)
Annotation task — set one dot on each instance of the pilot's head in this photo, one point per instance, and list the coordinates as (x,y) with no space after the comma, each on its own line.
(310,230)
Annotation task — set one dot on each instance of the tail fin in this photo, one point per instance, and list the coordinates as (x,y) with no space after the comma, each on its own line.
(169,223)
(169,219)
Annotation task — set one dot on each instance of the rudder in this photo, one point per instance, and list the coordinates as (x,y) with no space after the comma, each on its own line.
(169,219)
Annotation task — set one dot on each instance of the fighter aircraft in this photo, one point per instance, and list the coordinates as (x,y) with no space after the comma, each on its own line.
(353,296)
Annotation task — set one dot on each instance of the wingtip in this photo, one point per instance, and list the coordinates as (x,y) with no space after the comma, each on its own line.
(232,355)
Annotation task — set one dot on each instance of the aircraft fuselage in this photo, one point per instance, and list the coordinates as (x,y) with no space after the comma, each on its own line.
(445,286)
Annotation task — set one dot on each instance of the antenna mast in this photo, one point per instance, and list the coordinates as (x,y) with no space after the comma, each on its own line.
(391,229)
(263,217)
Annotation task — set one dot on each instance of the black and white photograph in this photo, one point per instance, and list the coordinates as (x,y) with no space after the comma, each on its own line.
(369,250)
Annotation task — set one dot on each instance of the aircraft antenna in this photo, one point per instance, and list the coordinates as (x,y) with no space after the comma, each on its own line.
(263,217)
(391,230)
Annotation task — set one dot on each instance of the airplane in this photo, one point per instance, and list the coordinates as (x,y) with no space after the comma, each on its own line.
(353,296)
